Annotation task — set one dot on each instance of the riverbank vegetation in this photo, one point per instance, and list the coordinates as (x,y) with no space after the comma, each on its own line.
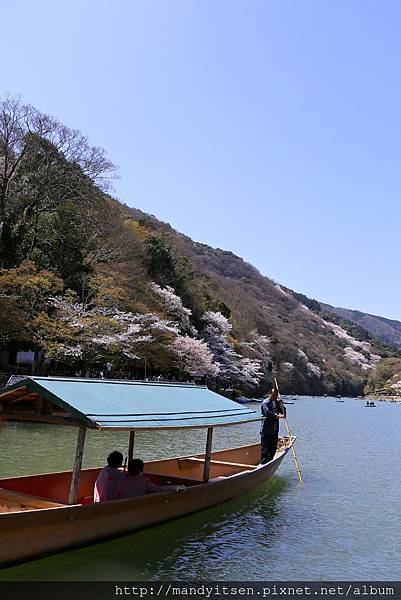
(386,378)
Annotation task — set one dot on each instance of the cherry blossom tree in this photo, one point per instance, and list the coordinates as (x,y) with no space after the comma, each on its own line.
(250,371)
(193,356)
(233,368)
(215,332)
(74,332)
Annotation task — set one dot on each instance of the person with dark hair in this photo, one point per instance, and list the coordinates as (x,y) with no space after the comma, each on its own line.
(273,410)
(138,484)
(107,483)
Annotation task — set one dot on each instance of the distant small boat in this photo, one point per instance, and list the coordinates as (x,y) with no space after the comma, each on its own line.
(370,404)
(339,400)
(243,400)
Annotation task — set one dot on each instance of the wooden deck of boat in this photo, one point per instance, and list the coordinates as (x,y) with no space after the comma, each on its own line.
(50,490)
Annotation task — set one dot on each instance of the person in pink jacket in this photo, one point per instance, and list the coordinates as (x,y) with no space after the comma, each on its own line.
(107,483)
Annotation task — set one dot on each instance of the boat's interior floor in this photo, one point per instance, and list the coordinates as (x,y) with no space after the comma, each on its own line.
(12,501)
(15,501)
(51,490)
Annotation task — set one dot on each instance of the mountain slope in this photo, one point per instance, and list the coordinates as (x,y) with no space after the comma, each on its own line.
(86,281)
(310,353)
(387,330)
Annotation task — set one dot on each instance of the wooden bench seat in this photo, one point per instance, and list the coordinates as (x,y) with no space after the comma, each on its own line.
(10,500)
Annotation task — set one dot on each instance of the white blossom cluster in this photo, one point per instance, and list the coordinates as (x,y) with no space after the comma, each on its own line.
(302,355)
(249,370)
(73,351)
(357,358)
(232,365)
(109,329)
(313,370)
(100,331)
(260,344)
(172,304)
(287,367)
(217,321)
(375,358)
(144,321)
(352,351)
(280,289)
(396,386)
(72,312)
(193,356)
(344,335)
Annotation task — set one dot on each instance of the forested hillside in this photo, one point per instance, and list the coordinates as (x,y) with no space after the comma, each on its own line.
(387,330)
(385,380)
(91,285)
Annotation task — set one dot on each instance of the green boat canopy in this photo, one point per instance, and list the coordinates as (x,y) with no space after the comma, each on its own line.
(116,404)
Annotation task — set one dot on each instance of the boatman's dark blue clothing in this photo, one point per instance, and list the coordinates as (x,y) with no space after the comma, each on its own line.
(270,409)
(269,429)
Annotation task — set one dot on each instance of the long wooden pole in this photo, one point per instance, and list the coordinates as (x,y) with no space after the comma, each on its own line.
(206,469)
(76,473)
(289,433)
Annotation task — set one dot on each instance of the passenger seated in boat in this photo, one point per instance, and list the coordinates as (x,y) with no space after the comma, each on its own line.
(138,484)
(106,485)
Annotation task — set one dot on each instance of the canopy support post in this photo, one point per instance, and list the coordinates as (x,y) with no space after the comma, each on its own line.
(131,445)
(209,439)
(76,473)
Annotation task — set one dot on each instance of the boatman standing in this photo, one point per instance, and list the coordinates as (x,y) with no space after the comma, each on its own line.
(273,410)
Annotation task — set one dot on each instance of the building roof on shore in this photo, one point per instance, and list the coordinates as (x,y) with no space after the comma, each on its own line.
(119,404)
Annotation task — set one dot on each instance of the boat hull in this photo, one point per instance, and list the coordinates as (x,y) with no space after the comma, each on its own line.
(31,533)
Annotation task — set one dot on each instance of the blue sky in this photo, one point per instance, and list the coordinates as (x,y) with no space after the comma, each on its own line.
(269,128)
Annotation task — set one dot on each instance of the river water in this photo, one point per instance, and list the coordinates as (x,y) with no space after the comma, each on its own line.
(344,523)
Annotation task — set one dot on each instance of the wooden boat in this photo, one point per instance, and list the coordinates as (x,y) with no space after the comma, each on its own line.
(41,514)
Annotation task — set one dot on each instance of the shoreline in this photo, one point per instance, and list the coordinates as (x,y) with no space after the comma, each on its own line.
(394,399)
